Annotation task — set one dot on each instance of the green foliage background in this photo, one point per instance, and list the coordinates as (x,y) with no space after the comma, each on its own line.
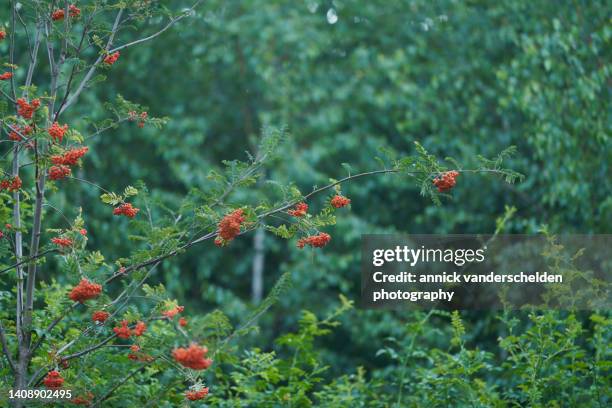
(464,78)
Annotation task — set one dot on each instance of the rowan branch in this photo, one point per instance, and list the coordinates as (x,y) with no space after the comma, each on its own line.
(92,69)
(172,22)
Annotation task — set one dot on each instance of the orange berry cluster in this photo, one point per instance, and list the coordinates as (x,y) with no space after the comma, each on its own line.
(18,131)
(300,210)
(315,241)
(173,312)
(110,59)
(11,184)
(53,379)
(446,181)
(59,172)
(85,290)
(195,395)
(339,201)
(99,316)
(124,332)
(62,242)
(86,399)
(26,109)
(57,132)
(70,157)
(59,14)
(229,226)
(193,357)
(126,209)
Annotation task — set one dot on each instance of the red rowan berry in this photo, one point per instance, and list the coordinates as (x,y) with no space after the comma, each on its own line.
(53,379)
(315,241)
(2,34)
(62,242)
(229,226)
(139,329)
(299,210)
(86,399)
(99,316)
(70,157)
(58,15)
(339,201)
(74,11)
(110,59)
(26,109)
(12,184)
(85,290)
(17,132)
(59,172)
(446,181)
(83,232)
(127,210)
(193,357)
(182,322)
(195,395)
(173,312)
(57,132)
(6,76)
(123,331)
(143,118)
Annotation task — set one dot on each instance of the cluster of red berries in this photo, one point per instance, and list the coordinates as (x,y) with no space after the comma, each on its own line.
(126,209)
(315,241)
(300,210)
(339,201)
(59,14)
(193,357)
(173,312)
(446,181)
(124,332)
(59,172)
(136,355)
(195,395)
(70,157)
(86,399)
(133,116)
(53,379)
(11,184)
(18,131)
(57,132)
(26,109)
(62,242)
(6,76)
(85,290)
(99,316)
(110,59)
(229,227)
